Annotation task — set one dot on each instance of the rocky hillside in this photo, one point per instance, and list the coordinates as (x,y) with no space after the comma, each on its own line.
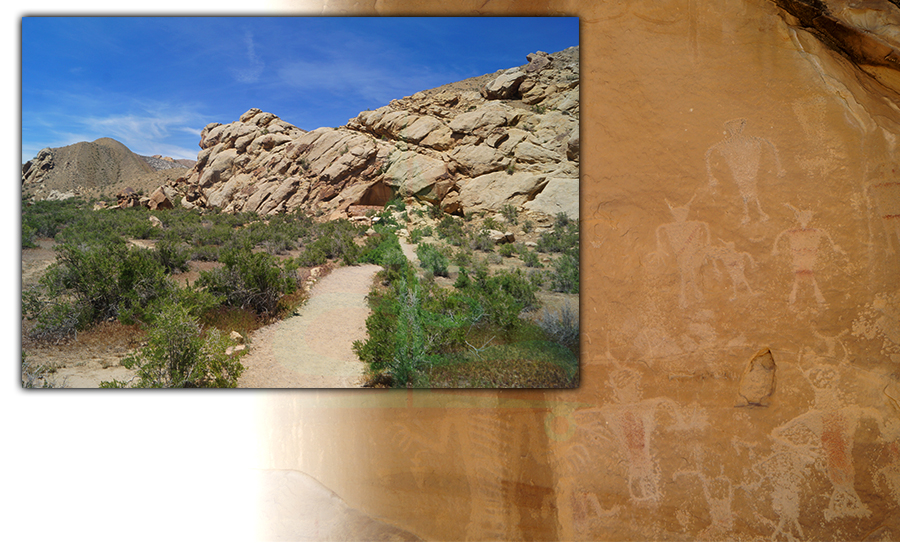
(509,138)
(101,167)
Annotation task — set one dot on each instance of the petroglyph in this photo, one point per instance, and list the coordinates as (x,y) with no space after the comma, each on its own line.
(804,247)
(881,319)
(887,206)
(630,422)
(742,154)
(758,380)
(689,242)
(734,262)
(811,115)
(825,433)
(719,495)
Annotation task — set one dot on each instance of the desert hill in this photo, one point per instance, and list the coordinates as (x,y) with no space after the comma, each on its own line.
(93,169)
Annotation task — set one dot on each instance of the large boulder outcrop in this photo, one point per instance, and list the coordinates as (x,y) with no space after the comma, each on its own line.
(431,146)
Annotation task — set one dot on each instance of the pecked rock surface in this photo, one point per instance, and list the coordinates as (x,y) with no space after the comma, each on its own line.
(513,142)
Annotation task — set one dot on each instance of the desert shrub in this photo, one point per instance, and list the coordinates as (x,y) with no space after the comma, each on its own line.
(416,234)
(451,230)
(46,218)
(564,238)
(462,257)
(527,226)
(510,213)
(378,349)
(29,236)
(491,224)
(108,280)
(250,280)
(530,259)
(565,277)
(179,355)
(58,320)
(462,280)
(506,250)
(480,240)
(37,376)
(172,255)
(432,259)
(561,326)
(331,240)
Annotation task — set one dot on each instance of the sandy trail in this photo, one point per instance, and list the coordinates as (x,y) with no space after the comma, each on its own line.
(313,349)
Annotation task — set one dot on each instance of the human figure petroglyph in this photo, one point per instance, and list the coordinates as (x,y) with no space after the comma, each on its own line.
(689,241)
(631,421)
(825,433)
(804,246)
(719,494)
(742,154)
(734,262)
(786,469)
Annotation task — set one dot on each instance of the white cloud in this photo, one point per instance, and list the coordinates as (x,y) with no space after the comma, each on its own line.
(252,70)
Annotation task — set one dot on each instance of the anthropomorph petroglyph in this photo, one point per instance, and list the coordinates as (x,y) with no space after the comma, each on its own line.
(734,262)
(631,422)
(825,433)
(689,241)
(742,154)
(804,247)
(719,494)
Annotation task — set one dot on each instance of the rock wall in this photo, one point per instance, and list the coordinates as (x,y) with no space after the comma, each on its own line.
(512,142)
(740,211)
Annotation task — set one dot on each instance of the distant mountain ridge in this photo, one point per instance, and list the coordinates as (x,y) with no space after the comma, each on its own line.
(101,167)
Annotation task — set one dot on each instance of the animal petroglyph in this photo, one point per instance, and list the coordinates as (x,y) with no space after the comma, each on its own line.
(742,154)
(804,247)
(735,263)
(689,242)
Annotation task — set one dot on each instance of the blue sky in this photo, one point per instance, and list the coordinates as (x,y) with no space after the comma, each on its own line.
(153,83)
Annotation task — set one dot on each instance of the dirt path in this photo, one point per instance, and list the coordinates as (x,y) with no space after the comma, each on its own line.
(313,349)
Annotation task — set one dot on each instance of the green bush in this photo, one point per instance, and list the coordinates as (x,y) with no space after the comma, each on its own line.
(432,259)
(179,355)
(250,280)
(531,259)
(416,234)
(510,213)
(107,281)
(506,250)
(172,255)
(565,276)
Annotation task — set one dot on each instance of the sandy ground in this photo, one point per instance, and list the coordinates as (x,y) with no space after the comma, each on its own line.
(313,349)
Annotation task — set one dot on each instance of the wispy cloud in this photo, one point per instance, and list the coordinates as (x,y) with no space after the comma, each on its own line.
(378,83)
(253,69)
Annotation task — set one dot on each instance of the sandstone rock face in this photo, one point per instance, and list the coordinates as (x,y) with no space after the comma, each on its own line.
(740,323)
(431,146)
